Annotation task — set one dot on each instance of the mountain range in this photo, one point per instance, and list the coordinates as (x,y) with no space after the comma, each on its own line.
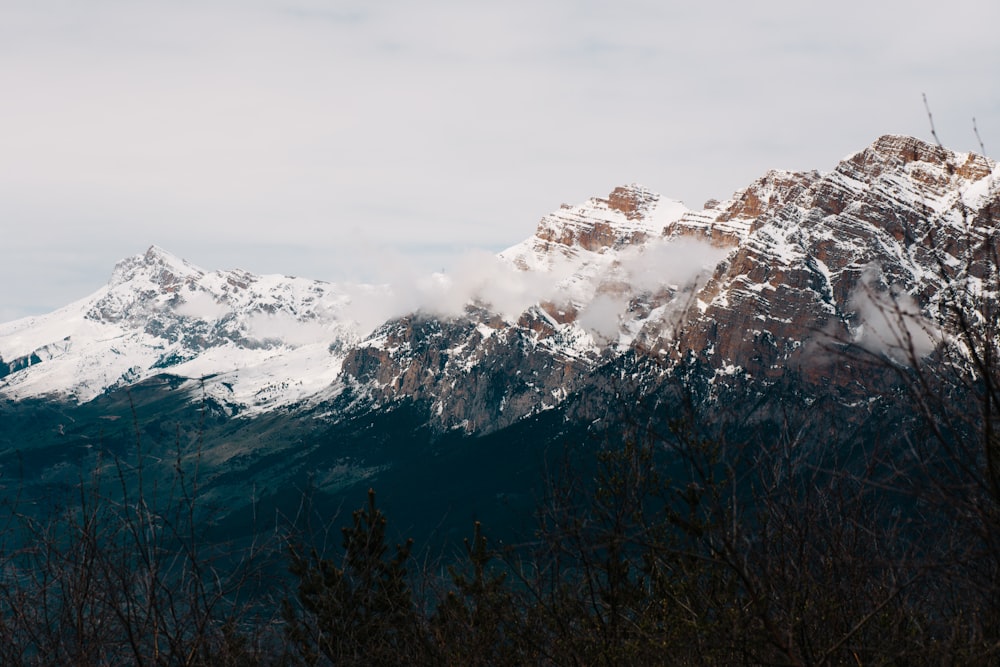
(453,386)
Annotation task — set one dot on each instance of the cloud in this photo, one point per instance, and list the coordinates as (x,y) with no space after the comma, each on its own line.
(286,328)
(499,286)
(890,320)
(670,262)
(603,316)
(478,277)
(199,304)
(680,265)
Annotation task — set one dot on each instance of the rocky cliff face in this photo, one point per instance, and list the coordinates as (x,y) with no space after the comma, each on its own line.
(801,261)
(482,371)
(476,373)
(887,218)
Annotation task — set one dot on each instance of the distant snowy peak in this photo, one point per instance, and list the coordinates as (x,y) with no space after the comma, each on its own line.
(156,266)
(161,314)
(169,298)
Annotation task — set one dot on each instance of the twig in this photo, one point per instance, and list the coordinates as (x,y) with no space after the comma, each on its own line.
(975,130)
(930,119)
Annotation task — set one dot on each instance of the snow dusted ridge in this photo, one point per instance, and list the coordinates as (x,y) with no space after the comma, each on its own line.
(265,341)
(751,278)
(745,290)
(607,259)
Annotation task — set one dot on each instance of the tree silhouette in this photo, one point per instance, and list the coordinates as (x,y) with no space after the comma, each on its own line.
(358,612)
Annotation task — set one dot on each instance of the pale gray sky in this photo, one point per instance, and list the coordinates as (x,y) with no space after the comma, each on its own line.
(337,139)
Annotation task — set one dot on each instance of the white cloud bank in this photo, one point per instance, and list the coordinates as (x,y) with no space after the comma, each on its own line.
(502,288)
(890,320)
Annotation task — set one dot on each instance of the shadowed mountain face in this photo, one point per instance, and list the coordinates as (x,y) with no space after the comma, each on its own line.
(785,299)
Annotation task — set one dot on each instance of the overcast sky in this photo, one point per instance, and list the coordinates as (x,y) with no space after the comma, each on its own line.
(343,140)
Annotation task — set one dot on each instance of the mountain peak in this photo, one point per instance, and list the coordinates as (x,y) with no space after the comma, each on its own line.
(162,268)
(633,200)
(898,152)
(630,214)
(156,253)
(751,279)
(767,194)
(908,149)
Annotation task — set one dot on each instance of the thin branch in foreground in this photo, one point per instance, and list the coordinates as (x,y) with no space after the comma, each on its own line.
(975,130)
(930,119)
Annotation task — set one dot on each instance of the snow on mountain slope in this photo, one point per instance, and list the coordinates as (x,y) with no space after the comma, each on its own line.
(749,288)
(741,286)
(611,259)
(601,270)
(267,340)
(882,220)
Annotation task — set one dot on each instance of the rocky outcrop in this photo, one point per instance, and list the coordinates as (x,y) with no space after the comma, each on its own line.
(476,373)
(898,208)
(803,248)
(620,220)
(633,200)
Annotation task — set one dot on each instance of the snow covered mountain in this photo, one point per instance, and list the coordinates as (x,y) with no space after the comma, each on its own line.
(744,287)
(258,343)
(266,340)
(447,392)
(820,251)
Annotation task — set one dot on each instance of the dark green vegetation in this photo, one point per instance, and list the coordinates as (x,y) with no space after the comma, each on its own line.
(760,536)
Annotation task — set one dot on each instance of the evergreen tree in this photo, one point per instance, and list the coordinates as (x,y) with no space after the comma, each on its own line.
(478,622)
(360,612)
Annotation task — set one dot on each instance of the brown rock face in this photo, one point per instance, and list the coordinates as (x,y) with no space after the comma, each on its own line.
(728,226)
(633,201)
(773,311)
(593,237)
(788,291)
(598,225)
(768,194)
(475,374)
